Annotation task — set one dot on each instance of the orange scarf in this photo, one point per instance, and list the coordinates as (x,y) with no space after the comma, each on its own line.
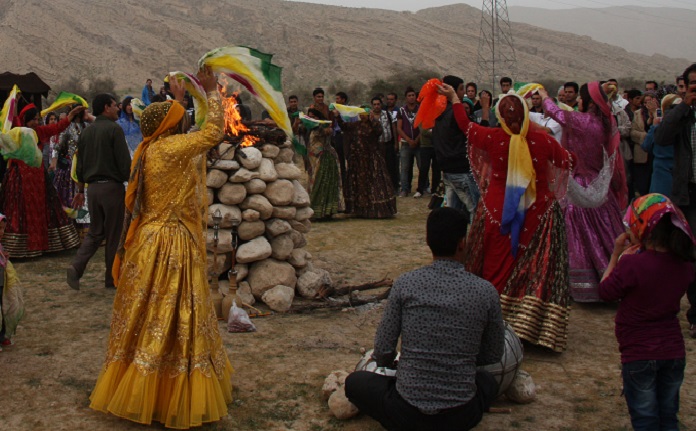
(133,192)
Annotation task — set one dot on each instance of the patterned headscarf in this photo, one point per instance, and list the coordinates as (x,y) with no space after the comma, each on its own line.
(645,212)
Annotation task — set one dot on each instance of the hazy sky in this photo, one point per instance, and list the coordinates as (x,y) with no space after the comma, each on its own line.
(414,5)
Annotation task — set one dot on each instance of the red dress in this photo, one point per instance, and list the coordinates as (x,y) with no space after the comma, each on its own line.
(36,222)
(533,286)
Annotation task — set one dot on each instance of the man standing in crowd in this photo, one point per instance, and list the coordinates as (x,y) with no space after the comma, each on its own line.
(103,164)
(536,104)
(339,144)
(409,141)
(570,90)
(678,129)
(681,87)
(148,93)
(319,105)
(437,385)
(547,123)
(505,84)
(651,86)
(388,137)
(618,102)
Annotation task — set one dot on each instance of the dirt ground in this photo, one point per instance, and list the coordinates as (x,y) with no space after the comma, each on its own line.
(46,378)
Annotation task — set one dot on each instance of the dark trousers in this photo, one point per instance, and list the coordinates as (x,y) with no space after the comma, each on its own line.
(392,159)
(690,214)
(106,204)
(337,144)
(376,396)
(428,161)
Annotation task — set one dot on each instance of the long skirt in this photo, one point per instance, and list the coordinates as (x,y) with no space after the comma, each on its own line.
(533,286)
(372,192)
(326,196)
(165,360)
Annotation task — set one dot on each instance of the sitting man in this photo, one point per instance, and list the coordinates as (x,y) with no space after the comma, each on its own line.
(449,321)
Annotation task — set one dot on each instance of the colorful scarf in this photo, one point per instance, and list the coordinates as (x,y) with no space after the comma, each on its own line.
(7,115)
(520,187)
(312,123)
(157,119)
(526,89)
(197,92)
(645,212)
(21,143)
(65,99)
(349,114)
(432,104)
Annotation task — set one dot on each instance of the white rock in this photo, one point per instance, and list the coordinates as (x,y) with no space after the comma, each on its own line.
(268,273)
(251,215)
(298,239)
(279,298)
(522,390)
(223,165)
(211,196)
(224,263)
(301,197)
(251,229)
(226,151)
(243,175)
(244,293)
(232,193)
(258,203)
(298,225)
(288,171)
(282,246)
(224,240)
(216,178)
(298,258)
(275,227)
(257,249)
(270,151)
(280,192)
(228,212)
(302,271)
(242,271)
(304,213)
(309,283)
(255,186)
(285,156)
(252,159)
(267,171)
(340,406)
(333,382)
(287,213)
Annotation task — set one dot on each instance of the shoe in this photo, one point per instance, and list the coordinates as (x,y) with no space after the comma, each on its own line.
(692,330)
(403,194)
(417,195)
(7,342)
(72,278)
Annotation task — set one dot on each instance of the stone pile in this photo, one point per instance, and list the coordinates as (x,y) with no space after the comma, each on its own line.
(260,186)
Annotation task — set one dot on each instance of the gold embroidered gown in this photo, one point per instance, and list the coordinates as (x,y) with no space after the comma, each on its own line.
(165,360)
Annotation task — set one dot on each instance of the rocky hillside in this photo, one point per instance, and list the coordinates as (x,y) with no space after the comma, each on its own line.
(131,40)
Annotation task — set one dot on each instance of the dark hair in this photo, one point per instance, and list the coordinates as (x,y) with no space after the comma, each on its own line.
(148,80)
(445,228)
(572,84)
(409,89)
(505,79)
(680,78)
(342,95)
(487,92)
(396,97)
(317,113)
(471,84)
(292,96)
(124,104)
(317,91)
(376,98)
(612,80)
(666,234)
(157,98)
(454,81)
(690,69)
(633,93)
(654,83)
(100,102)
(585,96)
(49,115)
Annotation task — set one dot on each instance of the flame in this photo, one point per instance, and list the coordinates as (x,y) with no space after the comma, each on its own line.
(233,121)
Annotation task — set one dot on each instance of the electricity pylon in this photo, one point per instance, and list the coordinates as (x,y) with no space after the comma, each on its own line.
(496,52)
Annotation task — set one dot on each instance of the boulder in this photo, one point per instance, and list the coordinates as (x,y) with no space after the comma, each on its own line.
(269,273)
(251,229)
(298,226)
(270,151)
(340,406)
(298,258)
(224,263)
(522,390)
(281,246)
(226,151)
(275,227)
(223,165)
(211,196)
(251,215)
(333,382)
(287,213)
(309,283)
(280,192)
(242,270)
(244,293)
(232,193)
(301,197)
(304,213)
(243,175)
(302,271)
(279,298)
(267,171)
(257,249)
(255,186)
(224,240)
(298,239)
(260,204)
(307,225)
(288,171)
(228,212)
(215,178)
(285,155)
(252,159)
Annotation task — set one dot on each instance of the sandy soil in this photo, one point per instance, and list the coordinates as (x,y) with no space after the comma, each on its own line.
(46,378)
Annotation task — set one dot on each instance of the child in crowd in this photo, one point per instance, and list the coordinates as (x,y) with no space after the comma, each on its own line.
(11,300)
(650,270)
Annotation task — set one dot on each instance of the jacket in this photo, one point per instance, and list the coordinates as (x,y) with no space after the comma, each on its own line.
(676,130)
(450,144)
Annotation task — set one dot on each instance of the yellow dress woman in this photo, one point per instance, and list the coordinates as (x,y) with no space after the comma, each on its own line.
(165,360)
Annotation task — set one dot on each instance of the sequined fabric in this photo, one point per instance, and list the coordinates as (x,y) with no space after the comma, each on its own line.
(165,360)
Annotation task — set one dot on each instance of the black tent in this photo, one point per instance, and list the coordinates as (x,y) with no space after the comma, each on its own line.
(30,84)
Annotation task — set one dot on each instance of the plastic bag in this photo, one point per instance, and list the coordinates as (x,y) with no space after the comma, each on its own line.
(239,320)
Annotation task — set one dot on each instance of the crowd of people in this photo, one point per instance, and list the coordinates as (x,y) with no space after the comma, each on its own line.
(548,186)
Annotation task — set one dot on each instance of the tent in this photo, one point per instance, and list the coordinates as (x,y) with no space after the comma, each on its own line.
(30,84)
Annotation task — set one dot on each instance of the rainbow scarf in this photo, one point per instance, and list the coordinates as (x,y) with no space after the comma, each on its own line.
(526,89)
(195,89)
(65,99)
(349,114)
(8,112)
(312,123)
(21,143)
(138,107)
(520,187)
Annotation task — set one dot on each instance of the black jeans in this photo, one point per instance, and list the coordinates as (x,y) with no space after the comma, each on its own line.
(376,396)
(427,158)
